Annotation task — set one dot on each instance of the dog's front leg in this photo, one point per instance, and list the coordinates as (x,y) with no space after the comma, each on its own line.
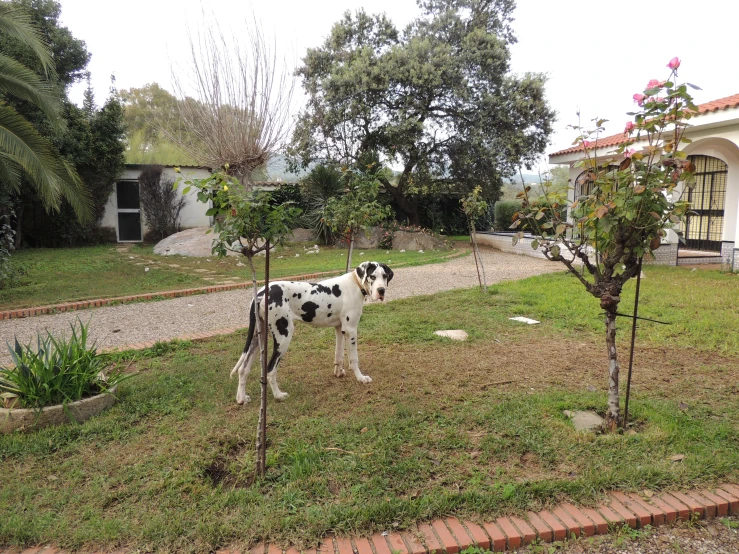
(351,335)
(339,356)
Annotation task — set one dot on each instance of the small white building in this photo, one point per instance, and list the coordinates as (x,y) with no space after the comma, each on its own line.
(712,233)
(123,210)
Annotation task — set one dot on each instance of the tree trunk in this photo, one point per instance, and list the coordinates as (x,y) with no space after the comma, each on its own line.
(612,417)
(407,206)
(476,253)
(19,226)
(351,250)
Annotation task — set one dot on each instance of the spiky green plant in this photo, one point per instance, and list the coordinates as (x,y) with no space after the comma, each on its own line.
(57,371)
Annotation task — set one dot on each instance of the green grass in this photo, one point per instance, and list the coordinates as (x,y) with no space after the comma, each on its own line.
(54,276)
(473,429)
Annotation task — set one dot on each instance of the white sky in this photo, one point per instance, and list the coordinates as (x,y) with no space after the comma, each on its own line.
(596,53)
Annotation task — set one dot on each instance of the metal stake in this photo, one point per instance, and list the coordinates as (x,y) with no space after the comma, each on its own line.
(633,340)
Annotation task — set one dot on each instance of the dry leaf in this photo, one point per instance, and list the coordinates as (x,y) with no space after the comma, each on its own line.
(678,457)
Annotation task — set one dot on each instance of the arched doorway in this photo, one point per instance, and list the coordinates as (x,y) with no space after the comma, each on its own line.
(705,226)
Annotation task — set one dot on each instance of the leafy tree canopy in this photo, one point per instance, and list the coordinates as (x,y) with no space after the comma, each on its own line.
(437,99)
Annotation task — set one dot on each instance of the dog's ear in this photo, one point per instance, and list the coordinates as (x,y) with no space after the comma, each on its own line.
(388,272)
(361,271)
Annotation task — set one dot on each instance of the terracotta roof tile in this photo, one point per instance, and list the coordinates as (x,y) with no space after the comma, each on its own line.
(615,140)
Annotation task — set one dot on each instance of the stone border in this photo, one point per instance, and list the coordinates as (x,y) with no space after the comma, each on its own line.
(100,302)
(451,535)
(13,419)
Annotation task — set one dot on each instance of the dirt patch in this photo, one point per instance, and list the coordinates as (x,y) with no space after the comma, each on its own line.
(222,471)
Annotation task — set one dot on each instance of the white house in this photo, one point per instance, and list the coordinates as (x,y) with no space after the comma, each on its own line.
(712,234)
(123,210)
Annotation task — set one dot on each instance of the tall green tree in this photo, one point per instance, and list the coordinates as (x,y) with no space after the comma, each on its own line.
(27,155)
(437,99)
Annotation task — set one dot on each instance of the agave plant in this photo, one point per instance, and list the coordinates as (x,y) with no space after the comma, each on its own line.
(321,184)
(57,371)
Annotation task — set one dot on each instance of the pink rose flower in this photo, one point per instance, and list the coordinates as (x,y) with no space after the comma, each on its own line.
(629,127)
(586,144)
(674,63)
(653,83)
(639,98)
(628,153)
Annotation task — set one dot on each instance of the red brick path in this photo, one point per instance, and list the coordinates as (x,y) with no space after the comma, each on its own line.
(451,535)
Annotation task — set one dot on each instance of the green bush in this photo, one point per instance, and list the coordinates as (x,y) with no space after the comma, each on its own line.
(503,214)
(59,371)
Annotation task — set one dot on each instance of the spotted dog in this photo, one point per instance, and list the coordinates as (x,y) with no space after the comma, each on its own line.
(333,303)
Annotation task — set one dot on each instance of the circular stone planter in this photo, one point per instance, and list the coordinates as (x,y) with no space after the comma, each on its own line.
(15,419)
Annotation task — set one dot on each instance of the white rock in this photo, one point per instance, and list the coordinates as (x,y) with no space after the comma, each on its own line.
(239,264)
(420,251)
(361,253)
(402,251)
(524,320)
(146,269)
(454,334)
(297,256)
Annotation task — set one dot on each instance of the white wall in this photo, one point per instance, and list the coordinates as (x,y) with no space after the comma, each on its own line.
(192,215)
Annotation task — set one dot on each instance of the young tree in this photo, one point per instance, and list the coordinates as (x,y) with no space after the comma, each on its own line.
(474,208)
(437,99)
(248,222)
(623,213)
(357,209)
(323,183)
(240,116)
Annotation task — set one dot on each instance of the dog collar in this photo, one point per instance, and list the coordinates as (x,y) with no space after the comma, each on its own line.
(364,292)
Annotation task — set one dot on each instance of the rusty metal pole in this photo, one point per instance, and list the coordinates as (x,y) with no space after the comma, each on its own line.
(633,340)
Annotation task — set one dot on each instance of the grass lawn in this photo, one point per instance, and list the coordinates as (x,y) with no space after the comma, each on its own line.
(474,429)
(61,275)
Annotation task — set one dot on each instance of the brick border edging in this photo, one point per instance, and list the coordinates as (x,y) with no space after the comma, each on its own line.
(19,313)
(451,536)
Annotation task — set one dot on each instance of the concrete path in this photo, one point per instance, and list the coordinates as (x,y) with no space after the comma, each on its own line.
(134,323)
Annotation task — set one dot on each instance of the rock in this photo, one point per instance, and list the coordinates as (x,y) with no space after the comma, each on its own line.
(190,242)
(368,242)
(526,320)
(301,235)
(678,457)
(403,240)
(584,421)
(454,334)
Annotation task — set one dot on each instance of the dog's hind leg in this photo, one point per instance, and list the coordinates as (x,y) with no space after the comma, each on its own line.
(339,355)
(243,366)
(351,335)
(282,338)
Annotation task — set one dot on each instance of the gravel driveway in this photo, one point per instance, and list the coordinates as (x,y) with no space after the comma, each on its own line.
(167,319)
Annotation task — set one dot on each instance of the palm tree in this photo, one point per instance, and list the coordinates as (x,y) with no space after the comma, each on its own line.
(321,184)
(23,151)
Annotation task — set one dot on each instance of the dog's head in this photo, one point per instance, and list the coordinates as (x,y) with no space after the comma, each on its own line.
(374,277)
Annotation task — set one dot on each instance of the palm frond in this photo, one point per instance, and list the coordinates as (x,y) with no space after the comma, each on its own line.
(52,176)
(19,81)
(17,23)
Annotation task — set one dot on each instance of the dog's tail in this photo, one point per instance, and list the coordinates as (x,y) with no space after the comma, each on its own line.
(249,337)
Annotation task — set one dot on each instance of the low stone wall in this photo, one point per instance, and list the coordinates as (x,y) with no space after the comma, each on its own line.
(664,255)
(504,243)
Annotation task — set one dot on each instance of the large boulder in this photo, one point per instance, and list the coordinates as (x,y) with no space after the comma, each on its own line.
(368,241)
(301,235)
(404,240)
(190,242)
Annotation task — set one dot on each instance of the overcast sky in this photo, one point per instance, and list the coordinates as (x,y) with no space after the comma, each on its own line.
(596,53)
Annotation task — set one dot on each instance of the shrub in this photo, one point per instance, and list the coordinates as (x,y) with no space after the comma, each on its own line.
(160,202)
(57,372)
(503,213)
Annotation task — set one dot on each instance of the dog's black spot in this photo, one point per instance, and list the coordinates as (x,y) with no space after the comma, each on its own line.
(371,266)
(329,306)
(275,295)
(282,326)
(337,290)
(329,314)
(320,288)
(310,311)
(295,294)
(299,296)
(347,318)
(343,332)
(360,272)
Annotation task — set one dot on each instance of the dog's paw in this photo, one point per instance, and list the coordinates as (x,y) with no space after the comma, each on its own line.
(281,396)
(243,400)
(364,379)
(339,371)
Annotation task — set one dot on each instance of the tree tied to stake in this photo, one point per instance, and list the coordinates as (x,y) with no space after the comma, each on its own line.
(628,199)
(249,222)
(474,208)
